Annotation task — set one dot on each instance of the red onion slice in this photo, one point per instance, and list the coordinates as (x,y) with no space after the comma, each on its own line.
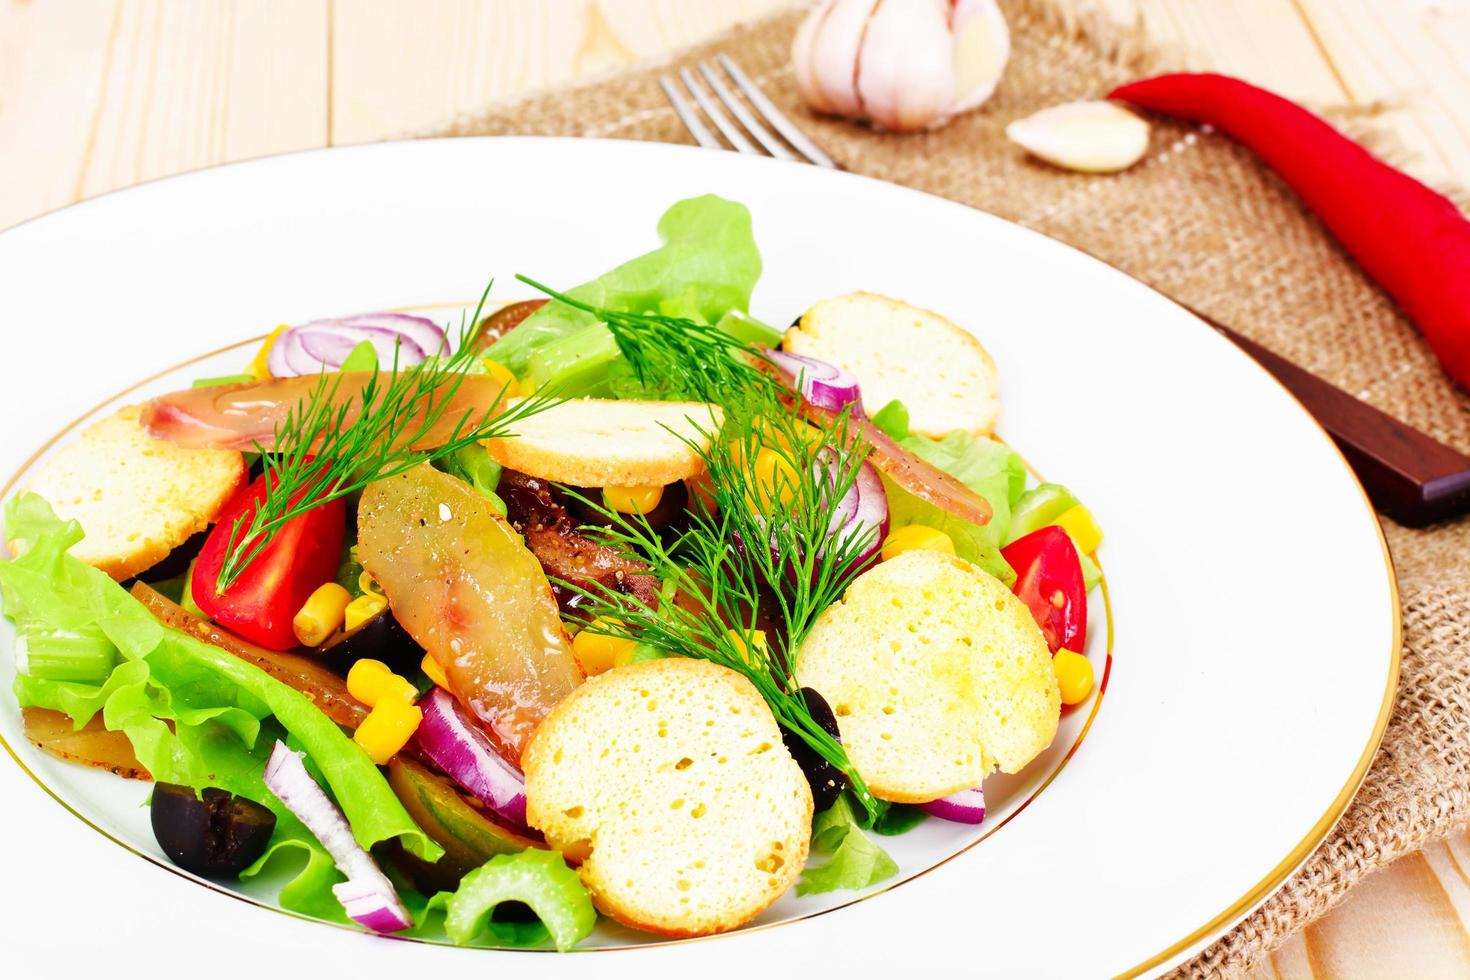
(966,806)
(322,345)
(455,745)
(864,506)
(823,385)
(426,335)
(367,894)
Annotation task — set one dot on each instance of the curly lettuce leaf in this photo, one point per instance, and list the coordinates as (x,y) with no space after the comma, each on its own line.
(195,714)
(856,861)
(987,466)
(707,266)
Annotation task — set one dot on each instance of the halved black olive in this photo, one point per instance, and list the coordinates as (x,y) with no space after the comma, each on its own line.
(216,836)
(827,781)
(380,638)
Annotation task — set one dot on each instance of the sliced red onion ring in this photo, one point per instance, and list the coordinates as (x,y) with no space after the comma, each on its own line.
(322,345)
(823,385)
(454,744)
(863,506)
(966,806)
(367,894)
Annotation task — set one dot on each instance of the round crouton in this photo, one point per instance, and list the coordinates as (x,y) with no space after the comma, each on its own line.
(937,673)
(592,442)
(669,780)
(940,372)
(136,497)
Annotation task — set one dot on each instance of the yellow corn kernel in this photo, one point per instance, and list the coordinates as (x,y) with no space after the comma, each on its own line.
(1079,523)
(372,683)
(916,537)
(387,728)
(774,481)
(504,375)
(632,500)
(258,366)
(597,652)
(362,609)
(321,615)
(751,646)
(431,667)
(1074,676)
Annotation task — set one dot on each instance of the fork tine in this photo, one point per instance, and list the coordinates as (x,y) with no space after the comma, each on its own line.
(774,116)
(762,135)
(722,122)
(688,116)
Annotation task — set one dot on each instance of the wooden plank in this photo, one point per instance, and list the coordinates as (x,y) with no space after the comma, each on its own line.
(1263,41)
(1413,55)
(405,68)
(104,95)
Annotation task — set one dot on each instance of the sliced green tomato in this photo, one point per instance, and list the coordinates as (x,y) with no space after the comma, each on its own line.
(540,879)
(1038,507)
(469,839)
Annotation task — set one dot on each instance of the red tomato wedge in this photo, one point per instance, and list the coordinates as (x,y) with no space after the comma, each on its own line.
(246,416)
(260,604)
(470,593)
(1049,581)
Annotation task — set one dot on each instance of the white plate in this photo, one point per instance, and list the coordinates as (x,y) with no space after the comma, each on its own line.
(1251,594)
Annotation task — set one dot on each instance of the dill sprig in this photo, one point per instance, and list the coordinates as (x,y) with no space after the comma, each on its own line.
(698,360)
(325,449)
(773,549)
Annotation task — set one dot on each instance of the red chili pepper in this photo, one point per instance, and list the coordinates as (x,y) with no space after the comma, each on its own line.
(262,602)
(1049,581)
(1410,239)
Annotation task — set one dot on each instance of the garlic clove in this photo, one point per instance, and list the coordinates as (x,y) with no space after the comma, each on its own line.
(834,57)
(905,70)
(982,46)
(801,55)
(1091,137)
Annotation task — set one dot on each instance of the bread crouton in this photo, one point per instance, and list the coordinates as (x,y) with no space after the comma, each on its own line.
(592,442)
(939,371)
(136,497)
(669,779)
(937,673)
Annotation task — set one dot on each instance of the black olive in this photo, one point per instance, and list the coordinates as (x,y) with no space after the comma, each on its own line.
(380,638)
(827,781)
(216,836)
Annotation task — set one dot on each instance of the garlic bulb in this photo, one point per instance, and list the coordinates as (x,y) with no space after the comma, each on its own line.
(1090,137)
(900,64)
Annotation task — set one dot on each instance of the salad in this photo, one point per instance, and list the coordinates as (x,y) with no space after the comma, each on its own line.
(616,601)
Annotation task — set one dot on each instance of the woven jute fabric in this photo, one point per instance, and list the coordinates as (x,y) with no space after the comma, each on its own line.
(1203,221)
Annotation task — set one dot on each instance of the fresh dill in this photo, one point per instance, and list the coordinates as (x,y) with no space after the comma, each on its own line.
(773,550)
(698,360)
(325,448)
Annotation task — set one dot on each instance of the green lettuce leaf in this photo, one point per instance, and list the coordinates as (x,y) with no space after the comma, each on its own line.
(987,466)
(195,714)
(707,266)
(856,861)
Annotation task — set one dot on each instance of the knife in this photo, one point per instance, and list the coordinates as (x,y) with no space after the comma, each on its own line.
(1409,476)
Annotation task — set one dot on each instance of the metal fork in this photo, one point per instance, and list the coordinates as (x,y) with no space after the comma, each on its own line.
(739,137)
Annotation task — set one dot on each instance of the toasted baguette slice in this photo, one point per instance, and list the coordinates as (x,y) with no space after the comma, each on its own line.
(670,780)
(940,372)
(136,497)
(593,442)
(938,675)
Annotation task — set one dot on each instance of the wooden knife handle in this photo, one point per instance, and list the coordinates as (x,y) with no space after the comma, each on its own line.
(1409,476)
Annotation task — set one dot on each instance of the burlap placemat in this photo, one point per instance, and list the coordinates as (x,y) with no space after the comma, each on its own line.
(1202,221)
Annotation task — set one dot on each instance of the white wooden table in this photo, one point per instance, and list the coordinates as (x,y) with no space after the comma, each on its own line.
(100,94)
